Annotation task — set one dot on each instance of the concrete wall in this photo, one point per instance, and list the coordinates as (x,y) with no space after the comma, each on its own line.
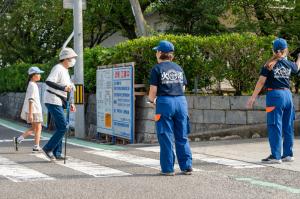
(208,114)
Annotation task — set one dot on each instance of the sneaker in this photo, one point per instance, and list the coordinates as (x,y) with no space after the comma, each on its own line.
(271,160)
(36,149)
(49,155)
(167,174)
(187,171)
(60,158)
(15,141)
(288,159)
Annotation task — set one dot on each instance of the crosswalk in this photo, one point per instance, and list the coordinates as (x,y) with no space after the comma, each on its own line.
(18,172)
(236,164)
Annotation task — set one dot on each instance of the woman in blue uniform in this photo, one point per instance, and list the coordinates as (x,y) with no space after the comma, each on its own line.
(167,84)
(275,77)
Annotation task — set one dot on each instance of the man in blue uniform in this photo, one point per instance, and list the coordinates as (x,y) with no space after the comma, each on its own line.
(167,83)
(275,77)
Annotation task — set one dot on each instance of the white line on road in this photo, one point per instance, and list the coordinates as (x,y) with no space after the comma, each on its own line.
(217,160)
(236,164)
(87,167)
(19,173)
(133,159)
(26,140)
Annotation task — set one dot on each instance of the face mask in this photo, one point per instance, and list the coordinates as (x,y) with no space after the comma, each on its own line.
(72,62)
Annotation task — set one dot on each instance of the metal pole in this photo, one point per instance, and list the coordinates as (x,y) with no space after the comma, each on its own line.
(78,70)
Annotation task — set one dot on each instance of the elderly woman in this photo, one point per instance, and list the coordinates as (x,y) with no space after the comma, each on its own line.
(167,85)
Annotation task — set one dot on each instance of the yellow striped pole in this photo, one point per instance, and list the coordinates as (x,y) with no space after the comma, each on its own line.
(79,94)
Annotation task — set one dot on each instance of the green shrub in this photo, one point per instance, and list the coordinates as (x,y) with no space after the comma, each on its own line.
(235,57)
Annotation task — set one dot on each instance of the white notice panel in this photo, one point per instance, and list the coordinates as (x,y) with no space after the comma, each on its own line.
(115,104)
(104,101)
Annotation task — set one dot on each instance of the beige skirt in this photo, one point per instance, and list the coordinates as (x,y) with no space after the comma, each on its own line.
(37,117)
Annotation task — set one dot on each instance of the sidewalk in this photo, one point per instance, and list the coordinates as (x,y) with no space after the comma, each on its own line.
(246,150)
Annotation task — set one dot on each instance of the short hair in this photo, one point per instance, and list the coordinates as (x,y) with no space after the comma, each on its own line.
(166,56)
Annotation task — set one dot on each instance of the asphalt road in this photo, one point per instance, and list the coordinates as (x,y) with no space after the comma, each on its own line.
(132,172)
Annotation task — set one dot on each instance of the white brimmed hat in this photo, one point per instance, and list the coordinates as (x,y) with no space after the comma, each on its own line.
(34,70)
(67,53)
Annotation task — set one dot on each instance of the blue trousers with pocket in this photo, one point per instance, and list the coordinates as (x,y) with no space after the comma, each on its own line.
(172,123)
(55,142)
(280,121)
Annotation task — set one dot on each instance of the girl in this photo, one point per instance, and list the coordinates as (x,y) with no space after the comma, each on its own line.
(32,110)
(275,77)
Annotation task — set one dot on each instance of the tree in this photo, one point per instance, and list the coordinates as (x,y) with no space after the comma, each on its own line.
(32,31)
(139,17)
(196,17)
(264,17)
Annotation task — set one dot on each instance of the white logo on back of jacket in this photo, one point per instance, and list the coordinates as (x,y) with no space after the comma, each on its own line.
(172,77)
(282,72)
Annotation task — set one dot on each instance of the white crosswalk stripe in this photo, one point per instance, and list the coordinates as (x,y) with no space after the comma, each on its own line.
(26,140)
(217,160)
(19,173)
(86,167)
(133,159)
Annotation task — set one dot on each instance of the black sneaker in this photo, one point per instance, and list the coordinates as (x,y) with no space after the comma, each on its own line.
(187,171)
(167,174)
(60,158)
(48,154)
(15,141)
(271,160)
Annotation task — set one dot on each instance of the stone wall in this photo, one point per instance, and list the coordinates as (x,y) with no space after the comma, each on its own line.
(208,115)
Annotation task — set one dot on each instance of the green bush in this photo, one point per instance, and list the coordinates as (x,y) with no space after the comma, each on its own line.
(235,57)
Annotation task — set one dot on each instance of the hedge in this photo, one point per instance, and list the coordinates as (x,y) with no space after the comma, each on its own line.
(235,57)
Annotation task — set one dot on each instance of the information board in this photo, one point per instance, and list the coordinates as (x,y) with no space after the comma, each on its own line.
(115,100)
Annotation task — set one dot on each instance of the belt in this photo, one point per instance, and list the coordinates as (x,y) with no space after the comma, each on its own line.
(272,89)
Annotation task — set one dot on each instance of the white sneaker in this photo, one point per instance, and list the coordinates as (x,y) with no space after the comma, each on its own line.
(288,159)
(36,149)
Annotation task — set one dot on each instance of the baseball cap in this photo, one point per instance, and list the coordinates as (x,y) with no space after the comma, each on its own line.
(164,46)
(34,70)
(67,53)
(279,44)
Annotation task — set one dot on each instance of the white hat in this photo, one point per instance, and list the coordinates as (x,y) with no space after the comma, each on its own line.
(67,53)
(34,70)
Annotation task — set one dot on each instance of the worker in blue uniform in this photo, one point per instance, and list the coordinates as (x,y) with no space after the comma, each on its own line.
(167,84)
(275,77)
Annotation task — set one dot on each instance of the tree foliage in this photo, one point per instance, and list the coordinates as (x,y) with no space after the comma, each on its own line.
(33,31)
(195,17)
(264,17)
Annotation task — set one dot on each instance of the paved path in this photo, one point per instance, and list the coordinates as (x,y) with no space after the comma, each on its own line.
(224,169)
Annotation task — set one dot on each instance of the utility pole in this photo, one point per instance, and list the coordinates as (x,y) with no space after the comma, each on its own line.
(139,17)
(78,70)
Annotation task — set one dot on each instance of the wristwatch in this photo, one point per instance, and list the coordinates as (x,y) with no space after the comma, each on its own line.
(151,102)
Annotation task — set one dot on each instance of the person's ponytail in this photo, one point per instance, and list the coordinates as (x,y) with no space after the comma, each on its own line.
(273,60)
(29,78)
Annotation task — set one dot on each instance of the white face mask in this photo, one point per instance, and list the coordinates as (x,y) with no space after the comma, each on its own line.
(72,62)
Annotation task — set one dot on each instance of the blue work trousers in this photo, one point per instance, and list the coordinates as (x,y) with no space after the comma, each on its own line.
(55,142)
(172,122)
(280,121)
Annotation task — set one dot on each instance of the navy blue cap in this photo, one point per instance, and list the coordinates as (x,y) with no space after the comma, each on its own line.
(279,44)
(164,46)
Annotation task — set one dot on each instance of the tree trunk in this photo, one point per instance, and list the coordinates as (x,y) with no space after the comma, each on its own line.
(139,18)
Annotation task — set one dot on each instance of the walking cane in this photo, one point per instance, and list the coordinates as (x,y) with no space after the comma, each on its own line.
(68,125)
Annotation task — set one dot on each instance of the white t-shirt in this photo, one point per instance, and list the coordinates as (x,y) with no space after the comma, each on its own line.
(59,75)
(33,95)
